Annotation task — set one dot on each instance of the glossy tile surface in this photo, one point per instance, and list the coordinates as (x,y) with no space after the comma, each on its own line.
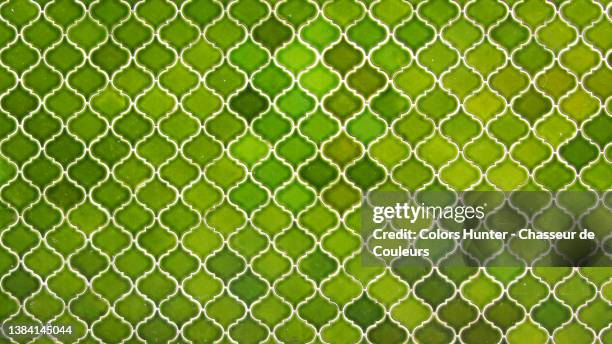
(192,171)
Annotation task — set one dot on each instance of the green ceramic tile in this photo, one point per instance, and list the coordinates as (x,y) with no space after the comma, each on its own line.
(191,171)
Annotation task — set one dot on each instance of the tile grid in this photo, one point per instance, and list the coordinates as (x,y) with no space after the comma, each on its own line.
(172,208)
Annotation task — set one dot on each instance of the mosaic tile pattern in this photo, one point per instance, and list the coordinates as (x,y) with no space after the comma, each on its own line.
(191,171)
